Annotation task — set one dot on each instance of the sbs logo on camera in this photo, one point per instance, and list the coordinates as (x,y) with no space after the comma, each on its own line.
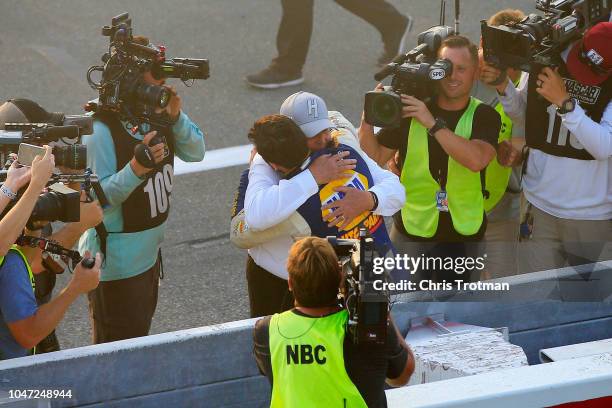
(437,74)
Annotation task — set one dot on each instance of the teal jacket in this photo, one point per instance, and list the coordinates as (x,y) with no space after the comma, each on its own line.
(131,254)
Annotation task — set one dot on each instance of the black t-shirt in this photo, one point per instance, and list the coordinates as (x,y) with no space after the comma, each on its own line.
(367,365)
(485,126)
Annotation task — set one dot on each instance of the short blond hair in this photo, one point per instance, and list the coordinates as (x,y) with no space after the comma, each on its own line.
(314,272)
(505,17)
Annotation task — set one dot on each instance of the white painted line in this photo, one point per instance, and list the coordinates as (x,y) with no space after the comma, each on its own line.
(215,159)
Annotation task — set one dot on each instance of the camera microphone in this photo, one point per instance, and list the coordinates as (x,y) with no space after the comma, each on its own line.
(389,68)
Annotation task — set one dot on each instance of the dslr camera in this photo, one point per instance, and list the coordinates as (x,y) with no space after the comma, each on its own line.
(368,308)
(122,88)
(538,40)
(414,73)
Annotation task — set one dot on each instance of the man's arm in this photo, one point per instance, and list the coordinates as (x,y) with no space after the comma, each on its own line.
(30,331)
(267,203)
(595,137)
(398,375)
(370,145)
(268,200)
(69,234)
(261,347)
(514,100)
(117,184)
(189,139)
(474,153)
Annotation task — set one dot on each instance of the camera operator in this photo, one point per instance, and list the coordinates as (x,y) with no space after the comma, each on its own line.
(322,190)
(334,366)
(23,324)
(569,131)
(502,182)
(43,265)
(443,147)
(138,193)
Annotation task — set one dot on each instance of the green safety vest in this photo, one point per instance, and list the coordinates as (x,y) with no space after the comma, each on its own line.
(308,362)
(30,274)
(420,214)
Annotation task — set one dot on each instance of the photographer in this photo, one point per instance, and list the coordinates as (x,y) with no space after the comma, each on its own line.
(569,133)
(139,196)
(502,182)
(321,174)
(443,147)
(336,367)
(22,323)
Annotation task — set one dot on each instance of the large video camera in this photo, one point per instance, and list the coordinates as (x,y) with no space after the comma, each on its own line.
(538,40)
(414,73)
(122,88)
(66,131)
(368,308)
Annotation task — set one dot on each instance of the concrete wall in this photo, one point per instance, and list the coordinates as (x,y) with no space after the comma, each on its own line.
(213,366)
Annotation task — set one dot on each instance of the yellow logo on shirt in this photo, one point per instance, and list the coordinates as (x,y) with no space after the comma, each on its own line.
(328,195)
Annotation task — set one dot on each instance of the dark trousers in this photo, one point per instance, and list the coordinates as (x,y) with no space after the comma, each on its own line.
(293,37)
(124,308)
(268,294)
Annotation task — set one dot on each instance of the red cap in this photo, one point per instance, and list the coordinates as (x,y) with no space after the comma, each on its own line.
(592,54)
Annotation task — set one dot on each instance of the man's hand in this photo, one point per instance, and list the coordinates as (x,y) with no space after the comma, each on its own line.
(157,151)
(490,74)
(332,167)
(91,213)
(85,279)
(344,211)
(508,155)
(552,86)
(173,109)
(42,167)
(414,108)
(17,177)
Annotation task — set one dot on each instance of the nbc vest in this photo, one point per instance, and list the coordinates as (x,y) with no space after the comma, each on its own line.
(307,357)
(463,187)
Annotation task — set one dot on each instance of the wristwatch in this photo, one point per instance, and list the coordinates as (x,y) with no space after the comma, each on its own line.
(567,106)
(439,124)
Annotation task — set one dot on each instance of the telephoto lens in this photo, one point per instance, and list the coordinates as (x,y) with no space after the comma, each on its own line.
(152,95)
(72,156)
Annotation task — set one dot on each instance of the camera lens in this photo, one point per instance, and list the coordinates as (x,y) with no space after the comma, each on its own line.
(72,157)
(48,207)
(386,109)
(153,95)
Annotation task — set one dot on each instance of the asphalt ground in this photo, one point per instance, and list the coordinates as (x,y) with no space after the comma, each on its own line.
(47,46)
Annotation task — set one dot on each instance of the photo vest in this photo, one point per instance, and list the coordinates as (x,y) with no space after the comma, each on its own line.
(464,189)
(307,355)
(149,204)
(360,178)
(544,130)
